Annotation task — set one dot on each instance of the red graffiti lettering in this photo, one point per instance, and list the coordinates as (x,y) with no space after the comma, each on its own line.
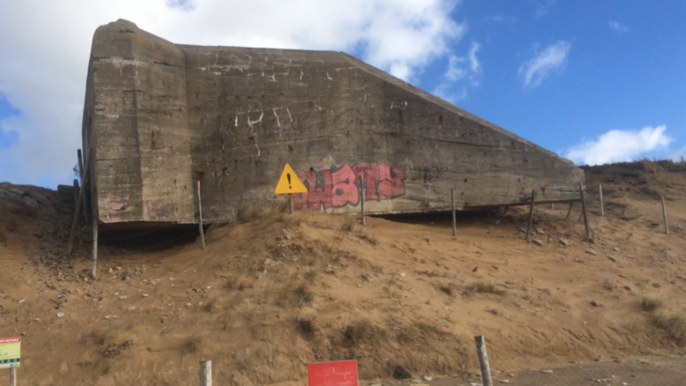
(318,190)
(344,188)
(339,187)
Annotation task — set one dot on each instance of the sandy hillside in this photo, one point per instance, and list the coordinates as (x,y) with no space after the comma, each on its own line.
(401,295)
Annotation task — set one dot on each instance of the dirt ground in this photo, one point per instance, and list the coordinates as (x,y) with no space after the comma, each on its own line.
(643,371)
(401,295)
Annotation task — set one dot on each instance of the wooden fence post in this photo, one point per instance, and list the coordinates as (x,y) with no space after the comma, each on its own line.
(74,220)
(83,182)
(362,193)
(13,376)
(202,231)
(483,360)
(602,205)
(531,215)
(583,208)
(206,373)
(76,202)
(664,214)
(569,212)
(452,201)
(95,245)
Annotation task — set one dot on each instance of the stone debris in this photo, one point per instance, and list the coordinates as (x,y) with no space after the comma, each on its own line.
(60,314)
(563,242)
(591,252)
(614,260)
(547,371)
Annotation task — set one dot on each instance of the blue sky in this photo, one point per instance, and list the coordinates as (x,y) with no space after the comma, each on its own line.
(624,69)
(594,81)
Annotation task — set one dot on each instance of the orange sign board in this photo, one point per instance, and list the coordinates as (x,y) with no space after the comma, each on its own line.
(289,182)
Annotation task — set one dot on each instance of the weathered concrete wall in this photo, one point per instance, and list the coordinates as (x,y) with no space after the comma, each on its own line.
(233,117)
(138,125)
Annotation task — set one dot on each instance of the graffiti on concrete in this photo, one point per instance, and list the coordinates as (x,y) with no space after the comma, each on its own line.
(339,187)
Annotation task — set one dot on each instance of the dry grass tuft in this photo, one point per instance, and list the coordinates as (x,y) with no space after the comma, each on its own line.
(240,283)
(190,345)
(295,295)
(97,337)
(608,285)
(650,304)
(399,372)
(348,224)
(483,288)
(252,211)
(448,289)
(354,334)
(673,326)
(306,327)
(210,305)
(370,239)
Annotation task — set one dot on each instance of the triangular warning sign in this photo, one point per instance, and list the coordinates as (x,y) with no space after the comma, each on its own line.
(289,182)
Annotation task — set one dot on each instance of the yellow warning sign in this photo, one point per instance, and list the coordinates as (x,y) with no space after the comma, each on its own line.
(10,352)
(289,182)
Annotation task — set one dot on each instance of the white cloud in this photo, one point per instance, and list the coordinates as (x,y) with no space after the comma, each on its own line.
(474,64)
(619,146)
(534,71)
(462,73)
(45,47)
(542,7)
(618,27)
(501,18)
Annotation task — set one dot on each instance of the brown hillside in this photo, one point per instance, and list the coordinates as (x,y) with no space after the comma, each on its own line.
(278,291)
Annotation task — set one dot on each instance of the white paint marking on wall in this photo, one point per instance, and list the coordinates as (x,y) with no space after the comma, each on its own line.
(250,123)
(217,73)
(289,114)
(328,77)
(236,123)
(277,118)
(301,75)
(272,78)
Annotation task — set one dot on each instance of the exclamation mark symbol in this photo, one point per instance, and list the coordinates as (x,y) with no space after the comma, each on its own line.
(288,175)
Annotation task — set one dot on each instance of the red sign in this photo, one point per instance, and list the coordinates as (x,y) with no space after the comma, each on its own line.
(341,373)
(10,340)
